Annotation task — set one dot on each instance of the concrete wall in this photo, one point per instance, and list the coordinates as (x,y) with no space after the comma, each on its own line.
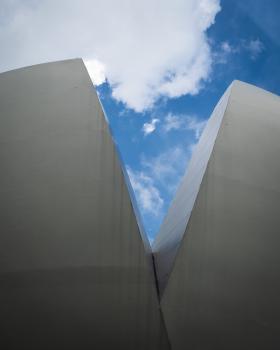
(224,286)
(167,242)
(74,272)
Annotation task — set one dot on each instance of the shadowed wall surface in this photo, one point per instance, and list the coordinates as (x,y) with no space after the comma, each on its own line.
(223,287)
(75,269)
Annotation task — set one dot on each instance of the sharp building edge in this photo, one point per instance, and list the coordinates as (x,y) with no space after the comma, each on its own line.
(217,253)
(76,269)
(168,241)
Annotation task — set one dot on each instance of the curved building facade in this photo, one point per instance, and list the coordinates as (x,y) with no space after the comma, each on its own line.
(75,269)
(217,253)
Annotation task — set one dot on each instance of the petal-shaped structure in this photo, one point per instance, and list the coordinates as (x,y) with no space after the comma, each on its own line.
(217,253)
(75,269)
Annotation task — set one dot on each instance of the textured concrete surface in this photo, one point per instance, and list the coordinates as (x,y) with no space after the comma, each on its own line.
(224,286)
(75,272)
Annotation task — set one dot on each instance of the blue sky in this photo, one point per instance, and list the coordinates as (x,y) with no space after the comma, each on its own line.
(159,67)
(245,43)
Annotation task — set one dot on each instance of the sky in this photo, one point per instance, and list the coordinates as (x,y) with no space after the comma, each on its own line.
(159,67)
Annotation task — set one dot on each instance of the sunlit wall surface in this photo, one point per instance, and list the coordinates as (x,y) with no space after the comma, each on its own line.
(75,272)
(217,254)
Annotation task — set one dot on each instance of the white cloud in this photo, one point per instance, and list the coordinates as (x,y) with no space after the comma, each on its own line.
(96,70)
(254,47)
(224,52)
(146,49)
(226,47)
(148,128)
(196,126)
(147,194)
(184,122)
(173,122)
(159,176)
(167,168)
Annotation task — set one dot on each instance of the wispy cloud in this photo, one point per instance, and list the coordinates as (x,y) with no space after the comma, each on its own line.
(184,122)
(148,128)
(224,51)
(159,176)
(147,194)
(226,47)
(167,167)
(253,47)
(122,41)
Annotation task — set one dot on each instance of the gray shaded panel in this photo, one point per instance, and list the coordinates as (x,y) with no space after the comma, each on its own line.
(168,240)
(137,214)
(223,292)
(74,273)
